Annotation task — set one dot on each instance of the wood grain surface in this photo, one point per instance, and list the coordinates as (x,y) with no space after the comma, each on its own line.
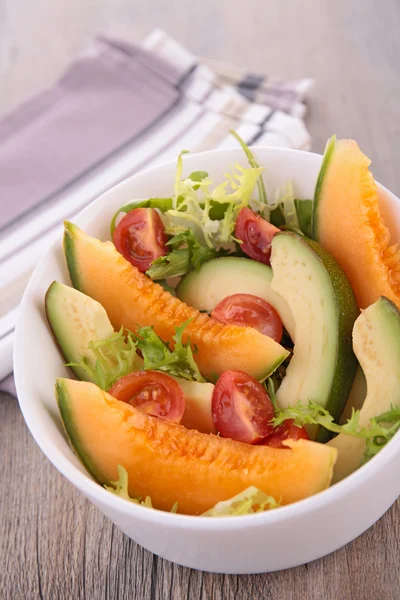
(53,543)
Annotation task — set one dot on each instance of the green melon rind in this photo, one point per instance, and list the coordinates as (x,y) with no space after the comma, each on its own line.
(70,233)
(70,427)
(347,312)
(328,154)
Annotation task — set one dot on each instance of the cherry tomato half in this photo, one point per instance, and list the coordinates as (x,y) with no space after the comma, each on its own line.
(256,234)
(241,408)
(153,393)
(140,237)
(286,431)
(249,311)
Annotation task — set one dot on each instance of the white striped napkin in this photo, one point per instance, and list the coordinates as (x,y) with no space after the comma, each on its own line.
(118,108)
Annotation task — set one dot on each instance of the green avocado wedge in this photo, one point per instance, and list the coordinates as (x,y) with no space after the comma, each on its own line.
(324,309)
(376,342)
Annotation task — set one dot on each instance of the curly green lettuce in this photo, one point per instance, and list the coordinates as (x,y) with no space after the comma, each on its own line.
(377,434)
(117,356)
(210,213)
(186,255)
(262,193)
(200,218)
(158,355)
(286,212)
(250,501)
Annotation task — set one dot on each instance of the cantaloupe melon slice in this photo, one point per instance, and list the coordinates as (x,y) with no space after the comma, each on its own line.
(132,299)
(173,464)
(347,223)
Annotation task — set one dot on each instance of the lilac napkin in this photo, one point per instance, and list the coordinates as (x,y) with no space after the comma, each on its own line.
(120,107)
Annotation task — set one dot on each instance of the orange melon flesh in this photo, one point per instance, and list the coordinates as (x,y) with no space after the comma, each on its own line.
(171,463)
(130,298)
(347,223)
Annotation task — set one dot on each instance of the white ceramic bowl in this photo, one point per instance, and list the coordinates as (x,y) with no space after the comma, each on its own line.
(269,541)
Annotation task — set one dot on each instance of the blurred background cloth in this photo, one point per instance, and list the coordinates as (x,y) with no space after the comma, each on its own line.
(118,108)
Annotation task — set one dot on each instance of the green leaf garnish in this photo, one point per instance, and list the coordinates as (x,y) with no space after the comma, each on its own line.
(253,163)
(187,254)
(304,214)
(195,204)
(115,358)
(157,355)
(377,434)
(287,212)
(198,175)
(120,488)
(173,264)
(250,501)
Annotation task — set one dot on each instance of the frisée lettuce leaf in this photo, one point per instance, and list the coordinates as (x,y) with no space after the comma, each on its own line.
(195,198)
(262,193)
(158,356)
(250,501)
(287,212)
(117,356)
(377,434)
(186,254)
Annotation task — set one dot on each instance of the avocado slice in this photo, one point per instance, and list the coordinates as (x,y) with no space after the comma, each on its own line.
(324,309)
(221,277)
(376,342)
(75,320)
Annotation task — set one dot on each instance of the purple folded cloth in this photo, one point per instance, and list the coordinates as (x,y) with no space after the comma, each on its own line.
(118,108)
(102,102)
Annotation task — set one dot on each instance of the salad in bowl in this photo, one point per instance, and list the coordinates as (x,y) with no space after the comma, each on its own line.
(222,333)
(226,347)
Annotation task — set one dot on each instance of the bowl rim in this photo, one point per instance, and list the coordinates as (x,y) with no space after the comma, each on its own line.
(84,482)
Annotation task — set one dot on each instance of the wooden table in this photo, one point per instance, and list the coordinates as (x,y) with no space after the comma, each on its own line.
(53,543)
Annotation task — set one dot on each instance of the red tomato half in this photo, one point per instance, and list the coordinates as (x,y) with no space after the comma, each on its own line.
(249,311)
(256,234)
(286,431)
(153,393)
(140,237)
(241,408)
